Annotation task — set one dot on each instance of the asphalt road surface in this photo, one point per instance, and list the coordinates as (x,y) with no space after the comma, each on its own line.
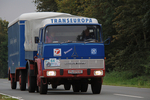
(107,93)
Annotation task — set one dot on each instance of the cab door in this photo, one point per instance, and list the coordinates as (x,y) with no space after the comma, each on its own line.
(40,47)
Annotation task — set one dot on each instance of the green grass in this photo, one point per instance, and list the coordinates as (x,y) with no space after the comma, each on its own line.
(4,97)
(126,79)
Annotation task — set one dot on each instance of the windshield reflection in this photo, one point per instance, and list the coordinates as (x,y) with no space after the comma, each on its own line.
(72,34)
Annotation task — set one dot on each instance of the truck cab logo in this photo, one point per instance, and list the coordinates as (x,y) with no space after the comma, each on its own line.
(74,54)
(57,52)
(93,51)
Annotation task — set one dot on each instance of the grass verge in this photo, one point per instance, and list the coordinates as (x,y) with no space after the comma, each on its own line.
(126,79)
(4,97)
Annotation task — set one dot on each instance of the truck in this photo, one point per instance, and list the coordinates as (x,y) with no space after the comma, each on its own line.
(52,48)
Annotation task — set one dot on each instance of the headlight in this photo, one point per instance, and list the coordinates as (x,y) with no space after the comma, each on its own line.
(98,72)
(51,73)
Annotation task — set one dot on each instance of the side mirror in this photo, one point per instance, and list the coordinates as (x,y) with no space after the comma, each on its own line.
(36,39)
(108,40)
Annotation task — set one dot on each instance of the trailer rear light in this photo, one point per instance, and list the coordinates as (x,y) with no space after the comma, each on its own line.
(51,73)
(98,72)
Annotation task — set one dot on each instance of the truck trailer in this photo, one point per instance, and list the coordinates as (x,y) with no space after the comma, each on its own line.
(52,48)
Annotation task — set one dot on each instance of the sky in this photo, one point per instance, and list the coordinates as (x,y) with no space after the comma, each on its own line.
(11,9)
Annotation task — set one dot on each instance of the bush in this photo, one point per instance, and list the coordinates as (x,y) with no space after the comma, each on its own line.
(126,79)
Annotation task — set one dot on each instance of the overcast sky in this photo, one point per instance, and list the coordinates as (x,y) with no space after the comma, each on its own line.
(11,9)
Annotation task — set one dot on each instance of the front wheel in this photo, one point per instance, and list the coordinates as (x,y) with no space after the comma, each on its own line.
(96,85)
(43,86)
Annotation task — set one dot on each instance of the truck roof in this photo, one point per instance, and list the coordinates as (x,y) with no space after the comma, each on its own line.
(38,15)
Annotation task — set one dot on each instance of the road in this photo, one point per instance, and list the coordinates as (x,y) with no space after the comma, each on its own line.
(107,93)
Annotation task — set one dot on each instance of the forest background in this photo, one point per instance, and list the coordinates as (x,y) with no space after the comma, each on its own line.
(126,21)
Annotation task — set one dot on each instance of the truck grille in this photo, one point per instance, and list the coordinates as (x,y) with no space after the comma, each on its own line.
(78,63)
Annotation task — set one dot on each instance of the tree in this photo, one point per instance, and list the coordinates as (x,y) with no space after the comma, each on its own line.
(45,5)
(3,48)
(132,35)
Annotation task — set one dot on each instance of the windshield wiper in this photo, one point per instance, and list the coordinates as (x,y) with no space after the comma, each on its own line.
(55,42)
(90,40)
(69,41)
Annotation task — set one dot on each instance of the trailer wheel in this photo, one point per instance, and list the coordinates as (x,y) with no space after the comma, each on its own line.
(37,89)
(96,85)
(22,80)
(43,87)
(31,83)
(76,87)
(13,83)
(67,86)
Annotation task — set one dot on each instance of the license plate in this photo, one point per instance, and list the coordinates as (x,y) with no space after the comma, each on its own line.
(75,71)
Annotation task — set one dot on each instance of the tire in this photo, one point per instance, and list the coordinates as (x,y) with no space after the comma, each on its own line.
(76,87)
(96,85)
(43,87)
(84,86)
(13,83)
(31,83)
(22,80)
(37,89)
(67,86)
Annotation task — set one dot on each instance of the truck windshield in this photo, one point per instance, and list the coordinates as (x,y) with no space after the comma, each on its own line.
(70,34)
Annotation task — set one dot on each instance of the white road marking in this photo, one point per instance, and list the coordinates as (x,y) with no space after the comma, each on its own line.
(129,96)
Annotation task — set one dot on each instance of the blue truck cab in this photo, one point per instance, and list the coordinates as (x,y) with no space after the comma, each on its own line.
(57,49)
